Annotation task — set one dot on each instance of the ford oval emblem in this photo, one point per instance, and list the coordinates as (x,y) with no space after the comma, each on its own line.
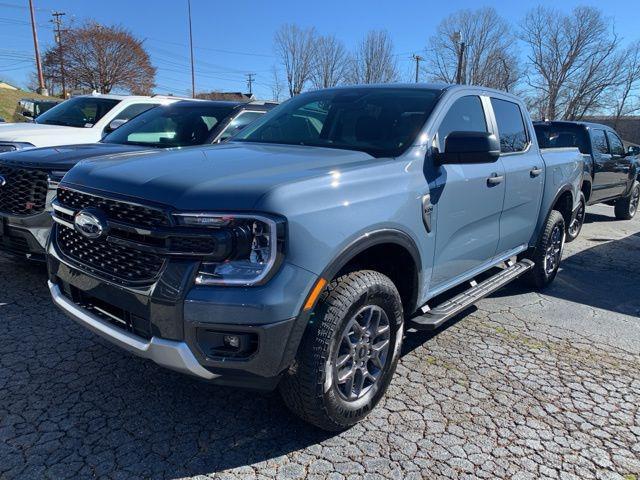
(92,224)
(3,181)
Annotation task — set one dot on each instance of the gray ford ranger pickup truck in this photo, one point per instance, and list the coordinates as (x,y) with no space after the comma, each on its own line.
(611,173)
(294,255)
(29,177)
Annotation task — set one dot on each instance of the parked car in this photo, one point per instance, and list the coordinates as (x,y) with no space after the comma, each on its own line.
(292,255)
(82,119)
(32,108)
(29,178)
(611,173)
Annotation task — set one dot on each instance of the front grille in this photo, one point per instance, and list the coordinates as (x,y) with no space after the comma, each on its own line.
(24,191)
(119,263)
(115,210)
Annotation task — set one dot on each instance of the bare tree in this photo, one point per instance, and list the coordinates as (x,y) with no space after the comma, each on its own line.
(102,58)
(374,60)
(489,58)
(296,48)
(331,62)
(572,59)
(630,83)
(276,85)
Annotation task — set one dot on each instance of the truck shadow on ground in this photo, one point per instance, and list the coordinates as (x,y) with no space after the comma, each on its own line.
(72,402)
(605,276)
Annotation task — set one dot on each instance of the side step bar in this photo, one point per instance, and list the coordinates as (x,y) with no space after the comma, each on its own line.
(435,317)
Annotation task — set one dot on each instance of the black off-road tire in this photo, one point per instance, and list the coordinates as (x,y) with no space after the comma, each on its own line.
(540,276)
(575,226)
(626,207)
(308,387)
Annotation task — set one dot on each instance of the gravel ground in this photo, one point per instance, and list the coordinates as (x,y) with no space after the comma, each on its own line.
(524,386)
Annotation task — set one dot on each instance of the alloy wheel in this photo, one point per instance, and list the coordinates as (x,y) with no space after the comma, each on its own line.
(360,359)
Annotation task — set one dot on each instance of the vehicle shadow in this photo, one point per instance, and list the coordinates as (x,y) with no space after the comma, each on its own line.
(73,399)
(605,276)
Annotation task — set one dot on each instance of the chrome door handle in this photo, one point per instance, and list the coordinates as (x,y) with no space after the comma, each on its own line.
(535,171)
(495,179)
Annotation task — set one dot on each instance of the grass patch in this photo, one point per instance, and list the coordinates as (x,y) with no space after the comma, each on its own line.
(9,103)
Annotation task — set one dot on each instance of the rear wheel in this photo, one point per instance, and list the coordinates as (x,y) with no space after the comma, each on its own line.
(573,230)
(547,253)
(626,207)
(349,352)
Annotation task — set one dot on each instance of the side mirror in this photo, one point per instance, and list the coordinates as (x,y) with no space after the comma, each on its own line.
(631,151)
(469,147)
(114,124)
(27,113)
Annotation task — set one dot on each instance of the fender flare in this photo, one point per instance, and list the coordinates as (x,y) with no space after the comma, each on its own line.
(343,257)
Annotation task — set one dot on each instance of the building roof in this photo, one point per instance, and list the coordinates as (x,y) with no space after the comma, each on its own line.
(7,86)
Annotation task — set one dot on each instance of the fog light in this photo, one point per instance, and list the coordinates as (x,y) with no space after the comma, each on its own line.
(232,341)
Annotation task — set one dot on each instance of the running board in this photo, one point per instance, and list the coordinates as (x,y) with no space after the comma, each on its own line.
(436,316)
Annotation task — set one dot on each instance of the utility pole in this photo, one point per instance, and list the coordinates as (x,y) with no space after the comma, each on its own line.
(193,72)
(57,20)
(250,78)
(461,46)
(41,88)
(417,59)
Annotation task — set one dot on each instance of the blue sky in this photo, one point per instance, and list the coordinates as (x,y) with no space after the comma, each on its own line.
(233,38)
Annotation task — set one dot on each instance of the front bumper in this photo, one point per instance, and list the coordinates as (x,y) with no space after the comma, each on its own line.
(179,318)
(167,353)
(25,236)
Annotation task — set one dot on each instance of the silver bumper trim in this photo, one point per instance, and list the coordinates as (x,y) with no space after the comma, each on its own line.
(167,353)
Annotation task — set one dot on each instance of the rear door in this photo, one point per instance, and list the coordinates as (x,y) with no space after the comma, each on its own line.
(524,175)
(620,163)
(605,178)
(468,205)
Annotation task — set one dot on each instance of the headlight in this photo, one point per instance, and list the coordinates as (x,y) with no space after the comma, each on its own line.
(255,254)
(13,146)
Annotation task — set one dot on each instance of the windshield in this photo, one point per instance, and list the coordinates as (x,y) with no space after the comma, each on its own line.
(171,126)
(380,121)
(81,112)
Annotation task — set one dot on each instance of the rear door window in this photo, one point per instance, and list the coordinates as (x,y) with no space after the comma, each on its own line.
(599,140)
(465,115)
(511,129)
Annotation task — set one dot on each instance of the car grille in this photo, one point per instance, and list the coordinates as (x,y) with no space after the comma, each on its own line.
(115,210)
(106,259)
(118,263)
(24,191)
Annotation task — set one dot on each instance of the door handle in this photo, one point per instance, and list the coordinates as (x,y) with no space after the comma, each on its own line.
(494,179)
(535,171)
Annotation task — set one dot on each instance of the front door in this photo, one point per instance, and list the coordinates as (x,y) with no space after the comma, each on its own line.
(524,176)
(468,199)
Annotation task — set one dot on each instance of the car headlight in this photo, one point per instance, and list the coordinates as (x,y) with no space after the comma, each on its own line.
(255,253)
(13,146)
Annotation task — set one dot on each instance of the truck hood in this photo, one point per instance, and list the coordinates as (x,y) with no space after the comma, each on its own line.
(65,157)
(226,177)
(15,132)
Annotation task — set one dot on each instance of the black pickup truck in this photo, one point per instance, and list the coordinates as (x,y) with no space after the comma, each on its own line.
(611,173)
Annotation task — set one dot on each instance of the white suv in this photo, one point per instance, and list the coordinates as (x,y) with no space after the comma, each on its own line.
(82,119)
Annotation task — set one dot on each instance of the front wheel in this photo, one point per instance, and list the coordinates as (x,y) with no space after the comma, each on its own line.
(626,207)
(548,252)
(348,353)
(573,230)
